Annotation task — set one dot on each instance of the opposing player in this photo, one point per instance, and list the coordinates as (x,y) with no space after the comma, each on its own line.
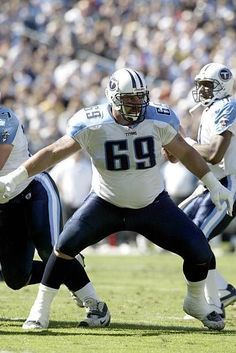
(124,138)
(216,143)
(31,219)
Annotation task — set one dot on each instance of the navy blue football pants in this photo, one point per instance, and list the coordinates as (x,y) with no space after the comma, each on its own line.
(32,220)
(162,222)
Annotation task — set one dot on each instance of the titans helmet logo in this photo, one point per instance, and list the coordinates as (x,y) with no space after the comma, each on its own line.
(113,84)
(225,74)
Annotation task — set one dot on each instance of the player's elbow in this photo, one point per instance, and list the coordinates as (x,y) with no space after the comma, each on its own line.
(214,158)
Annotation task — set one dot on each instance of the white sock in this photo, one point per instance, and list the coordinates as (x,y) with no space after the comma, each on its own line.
(211,290)
(40,310)
(88,291)
(195,303)
(220,281)
(196,289)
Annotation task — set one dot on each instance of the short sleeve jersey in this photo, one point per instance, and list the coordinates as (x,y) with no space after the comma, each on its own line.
(216,119)
(11,132)
(126,159)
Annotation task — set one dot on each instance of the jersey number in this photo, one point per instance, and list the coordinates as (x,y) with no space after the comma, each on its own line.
(143,150)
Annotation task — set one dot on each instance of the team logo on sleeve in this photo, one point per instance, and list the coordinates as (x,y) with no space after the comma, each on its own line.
(224,121)
(5,135)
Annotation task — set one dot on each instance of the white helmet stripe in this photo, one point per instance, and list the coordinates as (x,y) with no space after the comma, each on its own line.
(206,67)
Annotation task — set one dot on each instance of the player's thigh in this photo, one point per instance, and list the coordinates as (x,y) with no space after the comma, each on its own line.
(92,222)
(167,226)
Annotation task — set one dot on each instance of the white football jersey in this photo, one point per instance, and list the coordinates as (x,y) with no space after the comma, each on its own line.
(126,159)
(11,132)
(217,118)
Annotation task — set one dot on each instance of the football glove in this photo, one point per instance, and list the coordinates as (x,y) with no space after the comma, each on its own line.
(6,187)
(218,192)
(9,182)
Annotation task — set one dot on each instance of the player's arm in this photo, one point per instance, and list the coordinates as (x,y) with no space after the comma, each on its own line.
(188,156)
(40,161)
(5,151)
(167,155)
(194,162)
(51,155)
(215,150)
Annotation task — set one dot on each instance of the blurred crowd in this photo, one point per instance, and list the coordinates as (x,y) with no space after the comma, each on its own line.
(56,55)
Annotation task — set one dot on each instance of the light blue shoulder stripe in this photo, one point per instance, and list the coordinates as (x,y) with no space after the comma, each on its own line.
(163,113)
(8,125)
(225,116)
(85,119)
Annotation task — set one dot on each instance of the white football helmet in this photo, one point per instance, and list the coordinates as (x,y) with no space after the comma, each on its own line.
(214,81)
(128,94)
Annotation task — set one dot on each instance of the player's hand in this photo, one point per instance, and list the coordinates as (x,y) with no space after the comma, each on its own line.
(9,182)
(2,185)
(7,186)
(219,194)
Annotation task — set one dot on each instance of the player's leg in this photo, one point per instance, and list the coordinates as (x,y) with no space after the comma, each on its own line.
(212,222)
(167,226)
(16,249)
(88,225)
(44,220)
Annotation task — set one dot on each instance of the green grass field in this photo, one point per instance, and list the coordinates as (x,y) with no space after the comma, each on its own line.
(144,295)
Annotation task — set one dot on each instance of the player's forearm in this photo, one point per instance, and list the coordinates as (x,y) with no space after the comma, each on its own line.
(205,151)
(51,155)
(212,152)
(41,161)
(194,163)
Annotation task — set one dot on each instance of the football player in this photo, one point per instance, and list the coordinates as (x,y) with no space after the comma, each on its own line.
(216,143)
(30,218)
(124,138)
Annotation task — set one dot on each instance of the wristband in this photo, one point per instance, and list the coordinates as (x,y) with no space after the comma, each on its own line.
(19,175)
(210,181)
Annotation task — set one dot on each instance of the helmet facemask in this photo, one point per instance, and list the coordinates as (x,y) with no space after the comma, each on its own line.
(206,91)
(214,81)
(132,107)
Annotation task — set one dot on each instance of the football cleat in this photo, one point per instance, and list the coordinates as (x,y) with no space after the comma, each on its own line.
(34,325)
(228,295)
(204,313)
(97,315)
(220,311)
(214,321)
